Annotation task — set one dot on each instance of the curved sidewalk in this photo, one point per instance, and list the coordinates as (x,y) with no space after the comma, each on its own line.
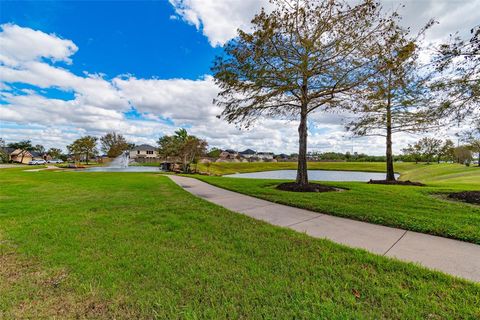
(454,257)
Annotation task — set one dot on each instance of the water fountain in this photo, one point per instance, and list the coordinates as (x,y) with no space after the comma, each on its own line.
(121,161)
(121,164)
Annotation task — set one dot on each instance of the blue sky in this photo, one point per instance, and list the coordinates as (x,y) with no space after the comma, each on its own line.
(137,37)
(142,69)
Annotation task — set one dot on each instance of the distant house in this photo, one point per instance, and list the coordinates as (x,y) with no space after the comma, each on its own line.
(283,157)
(81,157)
(102,158)
(265,155)
(228,154)
(247,154)
(36,155)
(143,151)
(40,156)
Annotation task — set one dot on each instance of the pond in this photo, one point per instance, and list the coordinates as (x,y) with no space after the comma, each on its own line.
(320,175)
(124,169)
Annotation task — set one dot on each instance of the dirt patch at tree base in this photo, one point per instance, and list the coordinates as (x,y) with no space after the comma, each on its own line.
(466,196)
(311,187)
(397,182)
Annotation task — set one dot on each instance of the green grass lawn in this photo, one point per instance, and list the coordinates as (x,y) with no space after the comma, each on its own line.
(422,209)
(135,245)
(454,175)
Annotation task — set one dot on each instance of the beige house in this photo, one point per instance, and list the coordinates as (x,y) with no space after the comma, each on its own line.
(20,156)
(143,151)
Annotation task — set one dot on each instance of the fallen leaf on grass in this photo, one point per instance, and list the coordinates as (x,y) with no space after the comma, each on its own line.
(356,293)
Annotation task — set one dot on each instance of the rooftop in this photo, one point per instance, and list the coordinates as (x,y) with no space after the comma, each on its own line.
(248,151)
(144,147)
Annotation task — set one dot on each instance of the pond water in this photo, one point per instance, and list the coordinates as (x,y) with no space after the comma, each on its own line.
(124,169)
(320,175)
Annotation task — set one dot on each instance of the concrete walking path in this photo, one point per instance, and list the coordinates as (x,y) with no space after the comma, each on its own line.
(454,257)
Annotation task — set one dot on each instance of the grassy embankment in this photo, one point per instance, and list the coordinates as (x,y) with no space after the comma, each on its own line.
(135,245)
(422,209)
(222,168)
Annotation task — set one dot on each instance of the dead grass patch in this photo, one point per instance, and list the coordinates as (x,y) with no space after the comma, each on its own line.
(28,291)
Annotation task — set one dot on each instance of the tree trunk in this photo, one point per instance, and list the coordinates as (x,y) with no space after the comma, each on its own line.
(86,158)
(389,153)
(302,174)
(390,170)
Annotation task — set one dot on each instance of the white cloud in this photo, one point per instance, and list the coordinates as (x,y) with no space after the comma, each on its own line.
(185,101)
(218,20)
(92,88)
(451,15)
(24,44)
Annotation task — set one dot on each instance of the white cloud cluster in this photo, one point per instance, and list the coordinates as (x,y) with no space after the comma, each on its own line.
(30,57)
(218,20)
(90,89)
(21,45)
(185,101)
(100,105)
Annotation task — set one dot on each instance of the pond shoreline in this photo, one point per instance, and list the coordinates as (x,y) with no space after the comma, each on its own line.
(319,175)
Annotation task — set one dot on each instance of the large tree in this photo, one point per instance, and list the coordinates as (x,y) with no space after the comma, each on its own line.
(426,149)
(3,155)
(472,138)
(302,57)
(447,151)
(39,148)
(214,153)
(396,98)
(430,147)
(185,147)
(463,154)
(114,144)
(55,153)
(167,147)
(458,88)
(414,152)
(86,146)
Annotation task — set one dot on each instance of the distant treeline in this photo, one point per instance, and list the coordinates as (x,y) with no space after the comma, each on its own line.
(351,157)
(424,150)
